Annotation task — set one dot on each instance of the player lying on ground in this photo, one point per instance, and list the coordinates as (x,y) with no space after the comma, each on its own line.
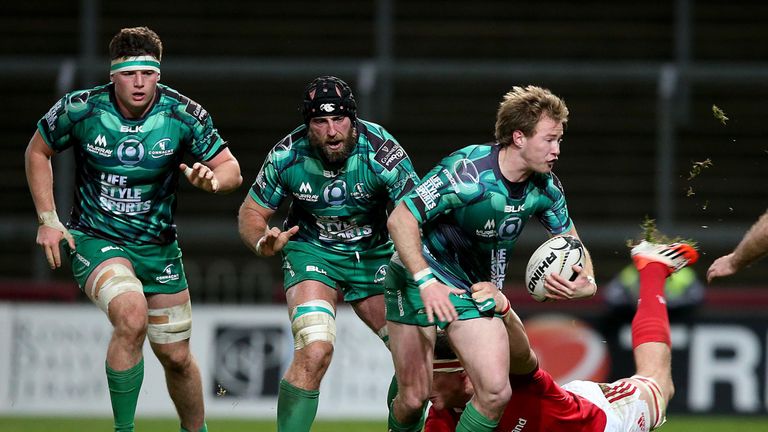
(634,404)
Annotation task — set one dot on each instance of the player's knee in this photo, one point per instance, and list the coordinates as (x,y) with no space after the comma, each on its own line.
(130,321)
(178,358)
(171,324)
(316,357)
(657,395)
(412,399)
(314,321)
(494,398)
(112,281)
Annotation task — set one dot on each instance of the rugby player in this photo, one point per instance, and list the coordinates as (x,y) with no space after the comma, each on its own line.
(457,229)
(341,172)
(538,404)
(130,137)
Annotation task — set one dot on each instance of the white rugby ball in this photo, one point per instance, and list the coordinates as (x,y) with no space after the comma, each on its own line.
(556,255)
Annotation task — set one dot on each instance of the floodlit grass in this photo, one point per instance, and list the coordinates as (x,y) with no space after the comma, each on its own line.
(45,424)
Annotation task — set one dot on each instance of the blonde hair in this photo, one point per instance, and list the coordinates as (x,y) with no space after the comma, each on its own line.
(522,108)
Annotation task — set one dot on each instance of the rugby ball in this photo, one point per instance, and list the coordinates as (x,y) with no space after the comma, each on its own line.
(556,255)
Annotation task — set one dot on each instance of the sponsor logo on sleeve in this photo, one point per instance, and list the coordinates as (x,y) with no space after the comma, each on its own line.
(428,191)
(195,110)
(389,155)
(52,115)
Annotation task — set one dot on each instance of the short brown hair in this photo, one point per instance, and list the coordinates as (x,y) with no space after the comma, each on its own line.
(522,108)
(135,41)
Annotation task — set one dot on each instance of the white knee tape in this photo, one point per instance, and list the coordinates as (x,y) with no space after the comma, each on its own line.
(659,404)
(171,324)
(313,321)
(118,279)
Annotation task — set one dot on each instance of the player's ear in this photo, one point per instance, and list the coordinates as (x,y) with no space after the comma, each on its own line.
(518,138)
(158,76)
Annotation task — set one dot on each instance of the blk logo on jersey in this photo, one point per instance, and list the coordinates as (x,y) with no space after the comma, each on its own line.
(130,152)
(335,193)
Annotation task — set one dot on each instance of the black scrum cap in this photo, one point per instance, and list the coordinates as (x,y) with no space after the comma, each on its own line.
(328,96)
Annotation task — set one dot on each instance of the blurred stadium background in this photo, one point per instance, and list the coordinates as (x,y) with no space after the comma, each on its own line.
(640,79)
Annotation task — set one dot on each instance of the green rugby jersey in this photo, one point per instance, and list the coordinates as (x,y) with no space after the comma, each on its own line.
(343,208)
(471,216)
(127,169)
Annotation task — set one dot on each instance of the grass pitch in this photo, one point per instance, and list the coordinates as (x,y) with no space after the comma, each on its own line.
(36,424)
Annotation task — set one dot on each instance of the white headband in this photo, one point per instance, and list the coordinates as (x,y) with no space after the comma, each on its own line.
(145,62)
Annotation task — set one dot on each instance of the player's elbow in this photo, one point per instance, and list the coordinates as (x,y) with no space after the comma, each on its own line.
(400,218)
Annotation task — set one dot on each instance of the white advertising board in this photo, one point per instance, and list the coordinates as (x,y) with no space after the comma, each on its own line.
(52,363)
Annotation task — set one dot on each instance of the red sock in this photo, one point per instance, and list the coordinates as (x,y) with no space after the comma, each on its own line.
(651,322)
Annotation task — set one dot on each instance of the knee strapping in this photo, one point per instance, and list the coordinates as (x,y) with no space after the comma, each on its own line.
(171,324)
(110,282)
(313,321)
(659,407)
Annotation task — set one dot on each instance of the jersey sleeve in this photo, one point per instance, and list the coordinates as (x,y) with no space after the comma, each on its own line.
(393,166)
(555,218)
(268,190)
(58,123)
(445,187)
(205,139)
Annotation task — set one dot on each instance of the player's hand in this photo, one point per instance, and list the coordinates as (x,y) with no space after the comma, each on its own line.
(560,288)
(274,240)
(49,238)
(437,302)
(722,267)
(482,291)
(201,177)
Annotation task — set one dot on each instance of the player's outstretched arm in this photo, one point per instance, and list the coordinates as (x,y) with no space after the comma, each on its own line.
(404,230)
(753,246)
(37,163)
(255,232)
(522,358)
(219,175)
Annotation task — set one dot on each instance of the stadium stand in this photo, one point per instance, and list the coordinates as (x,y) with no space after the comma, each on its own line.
(608,161)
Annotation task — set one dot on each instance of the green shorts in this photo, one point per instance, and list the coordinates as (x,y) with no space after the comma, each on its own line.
(358,275)
(404,303)
(158,267)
